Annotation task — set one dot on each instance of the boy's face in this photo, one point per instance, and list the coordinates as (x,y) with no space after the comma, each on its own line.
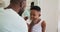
(34,15)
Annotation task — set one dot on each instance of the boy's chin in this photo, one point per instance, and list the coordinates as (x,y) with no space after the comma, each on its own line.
(34,20)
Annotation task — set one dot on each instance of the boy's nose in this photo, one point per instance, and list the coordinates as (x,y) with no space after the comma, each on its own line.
(35,17)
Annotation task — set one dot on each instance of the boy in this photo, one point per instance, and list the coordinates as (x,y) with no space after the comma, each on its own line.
(37,24)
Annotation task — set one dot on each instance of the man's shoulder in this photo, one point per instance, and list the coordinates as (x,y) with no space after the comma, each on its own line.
(11,15)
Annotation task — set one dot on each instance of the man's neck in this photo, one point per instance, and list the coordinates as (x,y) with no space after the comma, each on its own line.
(14,7)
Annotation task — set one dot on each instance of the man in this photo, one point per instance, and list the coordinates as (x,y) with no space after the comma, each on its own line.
(10,21)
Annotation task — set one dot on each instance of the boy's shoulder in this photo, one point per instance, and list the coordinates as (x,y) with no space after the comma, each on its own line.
(43,23)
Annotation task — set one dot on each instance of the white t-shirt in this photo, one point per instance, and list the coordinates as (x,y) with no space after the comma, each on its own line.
(10,21)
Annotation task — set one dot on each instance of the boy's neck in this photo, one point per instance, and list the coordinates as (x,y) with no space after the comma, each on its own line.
(37,21)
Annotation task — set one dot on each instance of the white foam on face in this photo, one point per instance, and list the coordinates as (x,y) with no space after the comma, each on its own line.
(4,3)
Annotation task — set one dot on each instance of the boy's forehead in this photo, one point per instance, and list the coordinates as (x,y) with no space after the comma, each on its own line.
(35,11)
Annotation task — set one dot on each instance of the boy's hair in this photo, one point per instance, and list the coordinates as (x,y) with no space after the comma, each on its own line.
(37,8)
(32,4)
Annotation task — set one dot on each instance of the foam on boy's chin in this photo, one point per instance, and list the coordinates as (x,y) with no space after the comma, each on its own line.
(4,3)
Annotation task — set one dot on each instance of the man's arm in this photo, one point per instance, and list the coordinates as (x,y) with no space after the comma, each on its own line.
(43,24)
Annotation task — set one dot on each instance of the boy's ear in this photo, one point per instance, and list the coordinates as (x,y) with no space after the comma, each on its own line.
(39,15)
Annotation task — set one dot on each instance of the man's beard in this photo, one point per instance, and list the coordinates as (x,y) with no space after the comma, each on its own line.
(21,12)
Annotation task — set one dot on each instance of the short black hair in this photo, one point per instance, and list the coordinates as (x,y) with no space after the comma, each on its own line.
(35,8)
(32,4)
(17,1)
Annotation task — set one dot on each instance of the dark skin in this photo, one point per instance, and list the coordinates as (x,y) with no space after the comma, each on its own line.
(25,18)
(22,8)
(43,26)
(17,7)
(35,19)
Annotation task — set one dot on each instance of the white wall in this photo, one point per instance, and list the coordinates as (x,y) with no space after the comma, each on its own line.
(59,16)
(49,13)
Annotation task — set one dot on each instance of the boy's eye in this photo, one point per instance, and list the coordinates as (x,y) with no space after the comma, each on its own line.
(32,14)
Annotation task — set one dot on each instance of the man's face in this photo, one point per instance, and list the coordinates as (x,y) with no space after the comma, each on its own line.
(23,4)
(22,8)
(34,15)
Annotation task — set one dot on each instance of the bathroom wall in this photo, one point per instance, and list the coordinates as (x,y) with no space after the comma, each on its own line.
(49,14)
